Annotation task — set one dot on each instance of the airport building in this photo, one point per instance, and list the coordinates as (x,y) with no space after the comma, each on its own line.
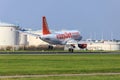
(103,45)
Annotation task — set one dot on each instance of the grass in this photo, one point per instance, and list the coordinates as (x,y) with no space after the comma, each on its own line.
(12,64)
(58,64)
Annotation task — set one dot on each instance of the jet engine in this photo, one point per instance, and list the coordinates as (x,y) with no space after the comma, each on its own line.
(82,46)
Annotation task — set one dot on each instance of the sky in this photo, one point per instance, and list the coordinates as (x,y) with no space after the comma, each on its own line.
(96,19)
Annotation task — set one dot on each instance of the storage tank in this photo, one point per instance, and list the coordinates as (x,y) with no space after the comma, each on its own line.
(9,36)
(23,39)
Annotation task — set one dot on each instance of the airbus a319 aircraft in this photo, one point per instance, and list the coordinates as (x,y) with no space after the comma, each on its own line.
(56,38)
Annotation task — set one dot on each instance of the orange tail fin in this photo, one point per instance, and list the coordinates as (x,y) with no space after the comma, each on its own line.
(45,28)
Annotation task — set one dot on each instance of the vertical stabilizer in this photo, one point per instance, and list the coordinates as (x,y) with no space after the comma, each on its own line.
(45,29)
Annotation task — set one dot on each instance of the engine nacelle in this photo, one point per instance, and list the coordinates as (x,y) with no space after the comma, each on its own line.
(73,45)
(82,46)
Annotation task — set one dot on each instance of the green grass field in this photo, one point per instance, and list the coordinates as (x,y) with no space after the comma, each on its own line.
(60,64)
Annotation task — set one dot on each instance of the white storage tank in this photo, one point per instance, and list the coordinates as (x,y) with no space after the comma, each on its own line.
(9,36)
(23,39)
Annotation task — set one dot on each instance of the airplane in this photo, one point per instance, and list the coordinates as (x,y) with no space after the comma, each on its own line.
(59,37)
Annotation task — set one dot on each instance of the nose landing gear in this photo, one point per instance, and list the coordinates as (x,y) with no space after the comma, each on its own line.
(50,47)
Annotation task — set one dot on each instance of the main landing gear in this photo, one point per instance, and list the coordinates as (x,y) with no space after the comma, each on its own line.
(71,48)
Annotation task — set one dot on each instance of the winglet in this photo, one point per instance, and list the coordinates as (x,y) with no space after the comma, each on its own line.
(45,29)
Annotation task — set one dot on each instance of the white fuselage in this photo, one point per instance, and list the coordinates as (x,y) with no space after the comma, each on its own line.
(61,37)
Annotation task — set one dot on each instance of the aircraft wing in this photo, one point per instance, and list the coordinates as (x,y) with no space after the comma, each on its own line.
(30,33)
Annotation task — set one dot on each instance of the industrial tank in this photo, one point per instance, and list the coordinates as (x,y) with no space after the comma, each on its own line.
(23,39)
(9,36)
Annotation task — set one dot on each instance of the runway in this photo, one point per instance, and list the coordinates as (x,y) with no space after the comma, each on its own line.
(55,75)
(54,52)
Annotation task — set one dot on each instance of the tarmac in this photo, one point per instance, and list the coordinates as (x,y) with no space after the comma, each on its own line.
(57,75)
(40,52)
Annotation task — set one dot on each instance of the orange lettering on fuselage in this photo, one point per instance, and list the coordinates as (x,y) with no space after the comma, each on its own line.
(64,36)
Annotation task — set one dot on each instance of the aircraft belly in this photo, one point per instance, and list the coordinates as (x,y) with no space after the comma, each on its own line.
(53,41)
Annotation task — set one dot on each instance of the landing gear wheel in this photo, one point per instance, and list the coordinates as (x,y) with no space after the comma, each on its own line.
(71,50)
